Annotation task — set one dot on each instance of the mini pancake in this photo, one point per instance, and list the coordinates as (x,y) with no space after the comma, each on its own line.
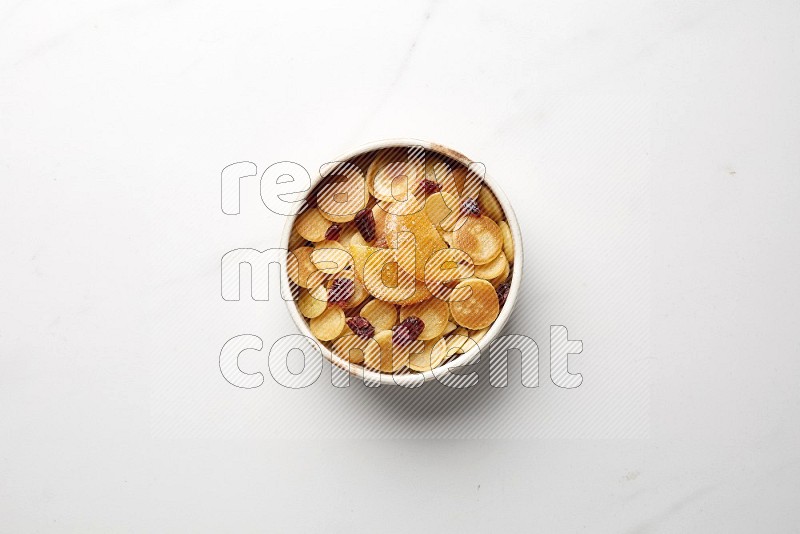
(413,203)
(455,341)
(453,221)
(489,204)
(477,335)
(446,266)
(466,345)
(454,181)
(395,172)
(347,232)
(464,183)
(493,269)
(503,277)
(357,239)
(382,315)
(480,309)
(434,314)
(296,240)
(389,360)
(480,238)
(437,168)
(330,257)
(360,254)
(355,310)
(379,214)
(508,242)
(329,324)
(439,206)
(312,303)
(342,194)
(301,269)
(448,238)
(311,225)
(354,349)
(431,356)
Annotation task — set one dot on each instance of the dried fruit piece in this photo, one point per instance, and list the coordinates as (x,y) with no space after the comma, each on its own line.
(407,330)
(360,327)
(480,309)
(365,222)
(329,325)
(382,315)
(470,207)
(433,315)
(377,269)
(429,186)
(426,240)
(359,291)
(502,293)
(333,232)
(341,290)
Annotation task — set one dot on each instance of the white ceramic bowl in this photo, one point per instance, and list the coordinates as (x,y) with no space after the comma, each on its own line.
(411,379)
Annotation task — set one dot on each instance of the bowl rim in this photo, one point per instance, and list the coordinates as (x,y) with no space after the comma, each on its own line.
(471,356)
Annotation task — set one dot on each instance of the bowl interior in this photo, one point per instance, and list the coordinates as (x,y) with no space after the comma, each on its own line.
(411,379)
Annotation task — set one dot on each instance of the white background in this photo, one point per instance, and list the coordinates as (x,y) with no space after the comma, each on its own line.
(652,151)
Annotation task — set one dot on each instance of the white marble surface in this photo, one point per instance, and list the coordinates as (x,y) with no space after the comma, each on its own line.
(654,147)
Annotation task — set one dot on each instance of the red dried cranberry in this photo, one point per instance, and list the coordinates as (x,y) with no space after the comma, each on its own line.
(502,292)
(342,289)
(470,207)
(429,186)
(365,222)
(333,232)
(407,331)
(361,327)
